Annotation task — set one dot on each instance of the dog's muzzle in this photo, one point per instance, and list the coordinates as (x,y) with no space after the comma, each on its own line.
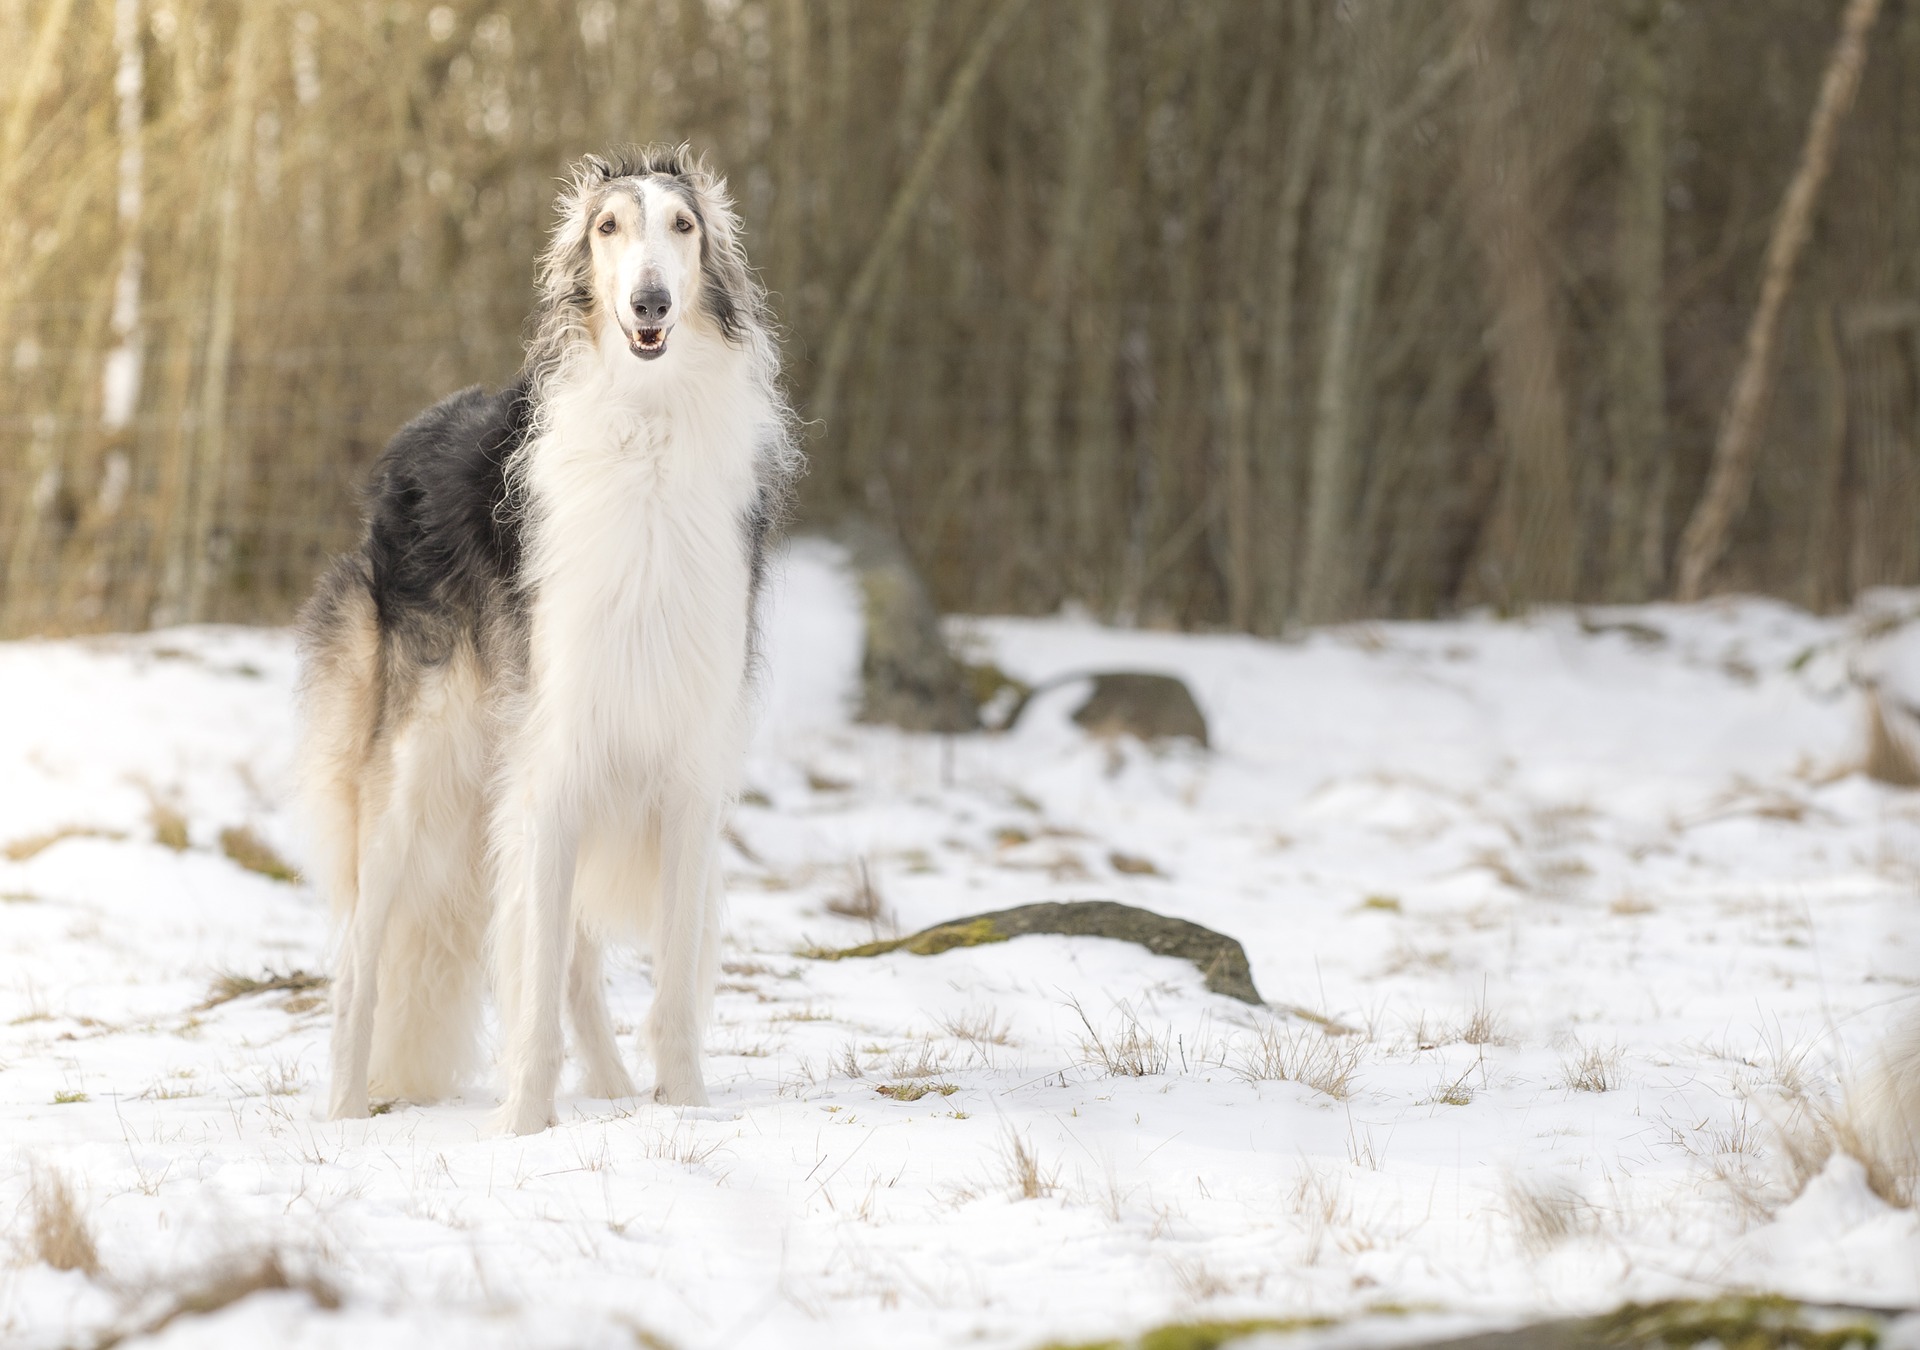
(648,337)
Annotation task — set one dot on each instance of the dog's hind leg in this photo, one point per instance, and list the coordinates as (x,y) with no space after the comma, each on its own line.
(681,992)
(593,1035)
(384,836)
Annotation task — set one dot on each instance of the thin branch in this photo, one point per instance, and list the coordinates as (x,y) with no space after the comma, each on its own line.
(1731,476)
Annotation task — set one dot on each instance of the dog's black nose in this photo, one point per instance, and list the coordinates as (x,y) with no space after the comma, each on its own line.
(651,303)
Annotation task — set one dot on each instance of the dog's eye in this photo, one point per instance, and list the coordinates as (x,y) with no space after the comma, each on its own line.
(609,225)
(684,225)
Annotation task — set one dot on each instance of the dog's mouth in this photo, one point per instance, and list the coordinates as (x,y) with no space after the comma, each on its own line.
(647,343)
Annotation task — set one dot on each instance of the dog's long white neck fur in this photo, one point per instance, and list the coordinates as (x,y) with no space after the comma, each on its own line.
(638,482)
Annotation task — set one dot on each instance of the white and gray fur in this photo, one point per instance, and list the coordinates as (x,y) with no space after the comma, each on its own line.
(526,695)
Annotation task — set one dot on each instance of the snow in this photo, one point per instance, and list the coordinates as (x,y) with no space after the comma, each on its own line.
(1629,840)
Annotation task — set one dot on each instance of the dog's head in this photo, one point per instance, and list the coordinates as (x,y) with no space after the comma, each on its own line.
(647,241)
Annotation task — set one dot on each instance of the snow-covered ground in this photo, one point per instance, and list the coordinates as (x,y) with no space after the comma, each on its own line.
(1481,869)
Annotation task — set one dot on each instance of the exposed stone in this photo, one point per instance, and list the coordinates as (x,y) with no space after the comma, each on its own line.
(908,676)
(1151,707)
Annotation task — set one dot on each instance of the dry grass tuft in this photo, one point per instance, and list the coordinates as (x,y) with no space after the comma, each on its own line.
(1482,1026)
(239,1278)
(19,850)
(1312,1058)
(57,1232)
(978,1027)
(1132,1051)
(913,1091)
(862,901)
(252,852)
(1030,1181)
(169,825)
(1455,1091)
(1886,1148)
(1199,1281)
(917,1059)
(1546,1213)
(228,986)
(1593,1068)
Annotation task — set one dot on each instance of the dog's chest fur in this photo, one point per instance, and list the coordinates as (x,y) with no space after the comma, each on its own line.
(638,576)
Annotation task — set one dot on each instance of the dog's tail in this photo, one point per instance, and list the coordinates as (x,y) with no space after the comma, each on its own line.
(340,707)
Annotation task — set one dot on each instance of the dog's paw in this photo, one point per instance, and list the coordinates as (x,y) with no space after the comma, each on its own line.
(348,1107)
(516,1117)
(685,1092)
(609,1085)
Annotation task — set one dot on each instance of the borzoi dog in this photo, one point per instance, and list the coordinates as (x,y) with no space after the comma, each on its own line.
(526,694)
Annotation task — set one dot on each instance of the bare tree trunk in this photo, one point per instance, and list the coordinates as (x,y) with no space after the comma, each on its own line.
(1531,550)
(1334,562)
(906,199)
(1636,338)
(1040,406)
(189,574)
(43,63)
(869,421)
(1333,463)
(1097,494)
(1275,430)
(42,66)
(1824,574)
(41,474)
(1731,476)
(1236,398)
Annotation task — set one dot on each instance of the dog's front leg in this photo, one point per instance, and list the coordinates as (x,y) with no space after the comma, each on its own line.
(682,989)
(536,933)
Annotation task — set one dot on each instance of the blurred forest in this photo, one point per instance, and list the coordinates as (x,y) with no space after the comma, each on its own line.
(1242,313)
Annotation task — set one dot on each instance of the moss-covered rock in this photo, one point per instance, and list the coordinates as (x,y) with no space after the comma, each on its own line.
(1736,1322)
(1221,960)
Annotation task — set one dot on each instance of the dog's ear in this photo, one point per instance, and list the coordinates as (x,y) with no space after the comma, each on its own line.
(592,167)
(730,290)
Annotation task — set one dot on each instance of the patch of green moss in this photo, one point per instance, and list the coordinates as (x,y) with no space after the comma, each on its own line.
(931,942)
(1740,1322)
(1208,1335)
(986,680)
(1737,1322)
(1388,903)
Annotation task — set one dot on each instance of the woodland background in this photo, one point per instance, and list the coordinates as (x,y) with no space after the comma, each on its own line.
(1242,313)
